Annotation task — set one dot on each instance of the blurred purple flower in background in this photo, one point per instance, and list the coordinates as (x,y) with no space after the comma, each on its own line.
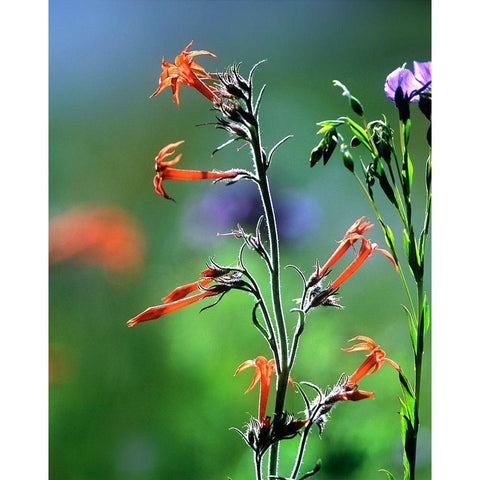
(410,83)
(222,209)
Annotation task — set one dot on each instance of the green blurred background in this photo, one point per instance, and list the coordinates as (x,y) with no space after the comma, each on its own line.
(156,401)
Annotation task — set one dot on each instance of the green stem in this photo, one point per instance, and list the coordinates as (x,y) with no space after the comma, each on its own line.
(400,270)
(283,370)
(300,452)
(258,466)
(418,375)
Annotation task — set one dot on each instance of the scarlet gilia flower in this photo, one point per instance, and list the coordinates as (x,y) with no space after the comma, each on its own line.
(211,273)
(353,234)
(178,298)
(375,359)
(166,172)
(187,72)
(263,373)
(101,235)
(325,296)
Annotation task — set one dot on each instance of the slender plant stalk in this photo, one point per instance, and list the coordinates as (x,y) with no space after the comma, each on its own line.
(418,373)
(258,466)
(400,270)
(300,452)
(283,370)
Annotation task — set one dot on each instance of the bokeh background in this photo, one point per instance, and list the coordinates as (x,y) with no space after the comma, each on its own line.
(156,401)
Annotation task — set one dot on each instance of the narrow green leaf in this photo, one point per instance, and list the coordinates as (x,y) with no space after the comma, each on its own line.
(406,243)
(408,395)
(426,315)
(274,148)
(384,183)
(329,124)
(390,239)
(387,473)
(223,145)
(412,327)
(410,172)
(316,469)
(359,132)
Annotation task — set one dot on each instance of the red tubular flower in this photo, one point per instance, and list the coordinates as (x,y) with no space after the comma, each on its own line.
(325,296)
(208,275)
(365,251)
(187,72)
(263,372)
(177,299)
(158,311)
(166,172)
(184,290)
(353,234)
(375,359)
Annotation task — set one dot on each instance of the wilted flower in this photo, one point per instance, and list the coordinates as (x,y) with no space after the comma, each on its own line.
(187,72)
(409,84)
(166,172)
(102,235)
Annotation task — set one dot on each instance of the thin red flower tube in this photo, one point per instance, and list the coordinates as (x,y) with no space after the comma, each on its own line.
(365,251)
(208,275)
(166,172)
(375,359)
(158,311)
(353,234)
(178,298)
(183,290)
(187,72)
(263,372)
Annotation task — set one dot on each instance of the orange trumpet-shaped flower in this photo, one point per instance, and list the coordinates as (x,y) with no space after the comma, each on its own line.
(263,373)
(354,233)
(178,298)
(184,290)
(375,359)
(166,172)
(187,72)
(158,311)
(325,296)
(365,251)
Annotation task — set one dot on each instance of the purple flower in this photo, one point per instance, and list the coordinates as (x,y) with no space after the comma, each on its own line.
(411,84)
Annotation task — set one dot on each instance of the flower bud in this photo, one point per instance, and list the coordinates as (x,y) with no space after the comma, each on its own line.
(348,160)
(357,107)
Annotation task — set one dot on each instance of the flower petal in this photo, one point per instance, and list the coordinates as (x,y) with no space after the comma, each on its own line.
(403,78)
(423,72)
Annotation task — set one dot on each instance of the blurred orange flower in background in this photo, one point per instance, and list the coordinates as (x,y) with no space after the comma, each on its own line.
(102,235)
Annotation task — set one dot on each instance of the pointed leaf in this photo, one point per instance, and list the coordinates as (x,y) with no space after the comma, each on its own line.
(387,473)
(274,148)
(390,239)
(359,132)
(426,315)
(312,472)
(412,327)
(408,395)
(223,145)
